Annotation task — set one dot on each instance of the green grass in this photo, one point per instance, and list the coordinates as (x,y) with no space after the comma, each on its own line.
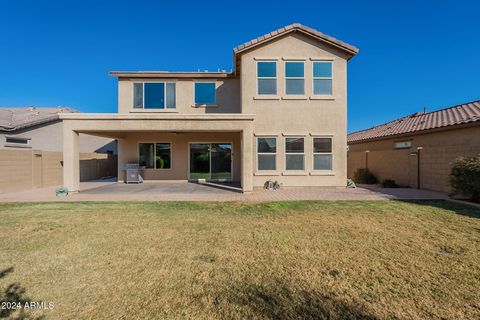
(282,260)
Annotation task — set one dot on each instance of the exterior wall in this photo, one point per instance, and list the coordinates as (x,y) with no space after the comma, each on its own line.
(440,149)
(49,137)
(128,150)
(306,115)
(228,96)
(28,169)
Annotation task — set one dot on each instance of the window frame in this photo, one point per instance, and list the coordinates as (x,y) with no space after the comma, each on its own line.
(155,154)
(291,153)
(16,144)
(294,78)
(164,95)
(204,104)
(321,78)
(320,153)
(267,78)
(267,153)
(410,143)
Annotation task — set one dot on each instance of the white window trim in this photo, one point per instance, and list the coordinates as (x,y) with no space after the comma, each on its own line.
(261,95)
(198,105)
(17,145)
(164,96)
(288,153)
(294,78)
(321,78)
(267,153)
(155,154)
(320,153)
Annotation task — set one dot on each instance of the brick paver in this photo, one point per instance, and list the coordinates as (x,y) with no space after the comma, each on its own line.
(160,191)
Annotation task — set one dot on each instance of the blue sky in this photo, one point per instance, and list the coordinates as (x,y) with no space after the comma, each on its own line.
(413,54)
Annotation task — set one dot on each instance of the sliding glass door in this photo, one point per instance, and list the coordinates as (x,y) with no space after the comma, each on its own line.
(211,161)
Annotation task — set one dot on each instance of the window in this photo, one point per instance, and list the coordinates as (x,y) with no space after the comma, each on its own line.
(267,78)
(322,153)
(205,93)
(294,154)
(17,141)
(266,153)
(154,95)
(322,78)
(294,78)
(154,155)
(403,144)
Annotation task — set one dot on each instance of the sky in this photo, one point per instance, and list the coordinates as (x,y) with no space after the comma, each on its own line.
(413,54)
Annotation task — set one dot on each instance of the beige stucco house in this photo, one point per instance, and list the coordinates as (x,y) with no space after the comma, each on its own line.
(280,115)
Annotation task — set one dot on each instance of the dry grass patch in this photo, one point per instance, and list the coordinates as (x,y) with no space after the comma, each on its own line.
(283,260)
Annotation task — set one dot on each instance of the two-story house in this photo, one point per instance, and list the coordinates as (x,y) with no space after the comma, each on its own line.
(281,115)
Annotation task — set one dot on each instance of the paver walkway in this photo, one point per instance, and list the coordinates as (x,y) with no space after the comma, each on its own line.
(162,191)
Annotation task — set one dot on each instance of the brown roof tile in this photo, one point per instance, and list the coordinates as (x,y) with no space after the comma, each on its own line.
(460,114)
(352,50)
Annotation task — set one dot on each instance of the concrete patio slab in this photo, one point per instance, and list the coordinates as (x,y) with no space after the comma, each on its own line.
(183,191)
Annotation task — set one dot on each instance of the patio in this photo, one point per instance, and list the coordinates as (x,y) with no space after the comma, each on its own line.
(108,190)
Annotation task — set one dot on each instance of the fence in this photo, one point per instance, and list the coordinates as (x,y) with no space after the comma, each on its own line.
(29,169)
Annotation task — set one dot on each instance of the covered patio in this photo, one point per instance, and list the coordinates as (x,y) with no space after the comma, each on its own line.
(168,147)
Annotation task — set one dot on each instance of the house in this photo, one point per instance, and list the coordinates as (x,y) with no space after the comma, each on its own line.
(418,150)
(31,150)
(42,129)
(280,115)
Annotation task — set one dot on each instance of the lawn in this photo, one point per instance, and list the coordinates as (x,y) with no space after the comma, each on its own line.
(285,260)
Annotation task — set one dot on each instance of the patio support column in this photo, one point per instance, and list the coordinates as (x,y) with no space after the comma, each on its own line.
(247,159)
(71,159)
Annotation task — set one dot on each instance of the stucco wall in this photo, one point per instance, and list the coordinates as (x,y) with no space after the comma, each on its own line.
(306,115)
(228,96)
(49,137)
(440,149)
(128,150)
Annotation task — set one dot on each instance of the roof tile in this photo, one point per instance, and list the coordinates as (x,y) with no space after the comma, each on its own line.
(299,27)
(460,114)
(12,119)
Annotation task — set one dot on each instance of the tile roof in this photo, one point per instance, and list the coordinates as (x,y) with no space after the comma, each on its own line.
(297,27)
(12,119)
(460,114)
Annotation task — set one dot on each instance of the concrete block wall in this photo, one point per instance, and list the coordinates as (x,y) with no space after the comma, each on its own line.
(440,149)
(28,169)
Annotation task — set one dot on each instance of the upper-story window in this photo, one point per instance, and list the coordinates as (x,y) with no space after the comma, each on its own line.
(205,94)
(322,78)
(295,78)
(154,95)
(266,78)
(17,142)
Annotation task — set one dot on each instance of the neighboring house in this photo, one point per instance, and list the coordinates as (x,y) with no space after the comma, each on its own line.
(42,129)
(31,145)
(280,115)
(418,150)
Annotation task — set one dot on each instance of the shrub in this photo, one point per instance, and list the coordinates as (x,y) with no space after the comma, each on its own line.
(465,177)
(363,175)
(389,183)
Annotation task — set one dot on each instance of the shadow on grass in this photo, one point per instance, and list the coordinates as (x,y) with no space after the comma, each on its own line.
(281,301)
(14,293)
(457,208)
